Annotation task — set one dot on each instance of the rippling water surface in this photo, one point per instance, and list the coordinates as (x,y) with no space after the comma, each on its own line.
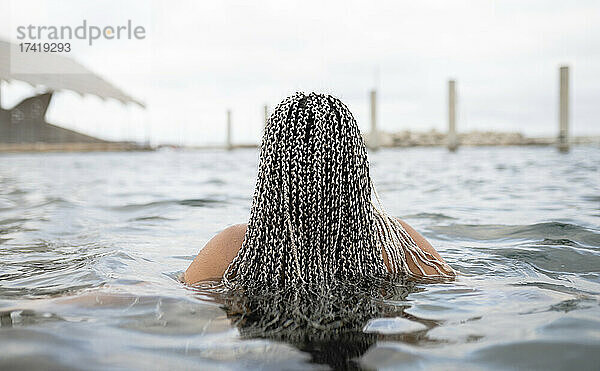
(91,246)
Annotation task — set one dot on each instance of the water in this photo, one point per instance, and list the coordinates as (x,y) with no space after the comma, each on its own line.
(91,246)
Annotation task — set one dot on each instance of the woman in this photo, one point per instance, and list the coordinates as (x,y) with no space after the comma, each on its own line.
(312,218)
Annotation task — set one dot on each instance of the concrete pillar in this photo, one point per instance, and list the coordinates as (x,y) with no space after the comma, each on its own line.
(374,135)
(228,143)
(266,116)
(452,138)
(1,83)
(563,113)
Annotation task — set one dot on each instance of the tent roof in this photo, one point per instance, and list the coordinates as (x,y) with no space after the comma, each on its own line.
(78,78)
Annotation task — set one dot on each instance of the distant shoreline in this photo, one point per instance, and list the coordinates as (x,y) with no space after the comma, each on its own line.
(435,138)
(73,147)
(400,139)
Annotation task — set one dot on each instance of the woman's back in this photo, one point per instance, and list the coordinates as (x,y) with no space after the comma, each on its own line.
(312,219)
(215,257)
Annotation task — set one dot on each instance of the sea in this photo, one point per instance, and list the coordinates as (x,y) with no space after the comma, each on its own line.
(92,245)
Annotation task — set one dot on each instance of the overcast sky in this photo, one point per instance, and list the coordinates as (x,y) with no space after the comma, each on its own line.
(202,57)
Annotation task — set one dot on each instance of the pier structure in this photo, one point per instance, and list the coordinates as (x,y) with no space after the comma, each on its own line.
(452,137)
(563,110)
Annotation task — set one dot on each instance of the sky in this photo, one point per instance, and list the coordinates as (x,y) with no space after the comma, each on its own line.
(201,58)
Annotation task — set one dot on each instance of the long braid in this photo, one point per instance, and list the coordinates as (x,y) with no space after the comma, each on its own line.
(397,244)
(312,220)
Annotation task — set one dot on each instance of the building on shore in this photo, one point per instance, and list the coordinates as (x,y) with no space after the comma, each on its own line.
(24,126)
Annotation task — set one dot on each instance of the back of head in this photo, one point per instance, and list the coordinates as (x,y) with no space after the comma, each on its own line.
(311,219)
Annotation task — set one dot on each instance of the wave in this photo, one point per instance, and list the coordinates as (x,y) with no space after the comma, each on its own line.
(49,268)
(549,232)
(540,355)
(25,317)
(194,202)
(556,258)
(432,216)
(149,218)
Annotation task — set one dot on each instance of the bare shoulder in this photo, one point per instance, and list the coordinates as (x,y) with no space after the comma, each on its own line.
(212,261)
(424,245)
(229,237)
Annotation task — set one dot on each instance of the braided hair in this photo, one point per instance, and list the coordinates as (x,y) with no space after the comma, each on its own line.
(312,220)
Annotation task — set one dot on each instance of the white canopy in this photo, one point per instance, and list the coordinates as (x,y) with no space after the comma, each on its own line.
(78,79)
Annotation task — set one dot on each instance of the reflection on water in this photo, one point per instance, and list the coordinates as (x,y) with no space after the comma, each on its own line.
(334,326)
(91,246)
